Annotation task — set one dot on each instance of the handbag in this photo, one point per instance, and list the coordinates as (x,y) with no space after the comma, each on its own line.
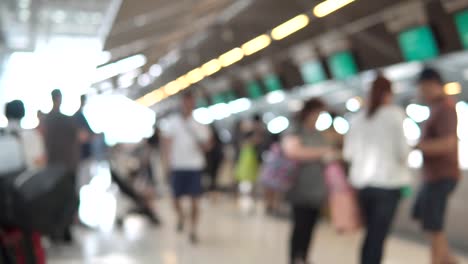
(343,205)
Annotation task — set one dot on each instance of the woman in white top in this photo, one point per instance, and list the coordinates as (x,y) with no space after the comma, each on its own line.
(377,150)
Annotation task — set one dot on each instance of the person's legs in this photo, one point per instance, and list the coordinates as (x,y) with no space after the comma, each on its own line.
(304,220)
(380,210)
(178,186)
(195,191)
(435,207)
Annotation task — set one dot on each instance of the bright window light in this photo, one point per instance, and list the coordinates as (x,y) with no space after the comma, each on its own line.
(256,44)
(329,6)
(119,67)
(275,97)
(412,131)
(289,27)
(104,57)
(121,119)
(353,104)
(418,113)
(220,111)
(240,105)
(278,125)
(462,112)
(341,125)
(3,121)
(324,122)
(415,159)
(463,153)
(203,116)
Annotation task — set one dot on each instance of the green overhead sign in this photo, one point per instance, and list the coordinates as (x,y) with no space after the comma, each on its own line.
(254,90)
(342,65)
(461,20)
(313,72)
(418,44)
(272,82)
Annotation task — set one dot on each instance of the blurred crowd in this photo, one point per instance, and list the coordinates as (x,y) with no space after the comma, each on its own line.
(355,181)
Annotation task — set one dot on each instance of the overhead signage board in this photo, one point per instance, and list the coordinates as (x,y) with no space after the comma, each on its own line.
(418,44)
(342,65)
(254,90)
(461,20)
(272,82)
(313,72)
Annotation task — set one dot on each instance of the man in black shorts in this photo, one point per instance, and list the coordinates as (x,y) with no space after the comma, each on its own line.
(439,145)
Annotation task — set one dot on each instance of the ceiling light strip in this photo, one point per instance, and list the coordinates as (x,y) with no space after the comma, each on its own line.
(329,6)
(289,27)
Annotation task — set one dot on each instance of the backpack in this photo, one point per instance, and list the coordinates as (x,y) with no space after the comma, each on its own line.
(278,172)
(12,159)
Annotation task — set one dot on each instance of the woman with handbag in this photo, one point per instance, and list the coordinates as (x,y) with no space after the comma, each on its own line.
(306,145)
(377,150)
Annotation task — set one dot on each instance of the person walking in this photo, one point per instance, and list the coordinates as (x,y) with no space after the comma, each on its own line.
(185,145)
(441,171)
(304,143)
(86,136)
(377,150)
(61,138)
(16,242)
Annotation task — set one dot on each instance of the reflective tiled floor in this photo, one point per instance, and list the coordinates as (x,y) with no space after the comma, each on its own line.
(228,236)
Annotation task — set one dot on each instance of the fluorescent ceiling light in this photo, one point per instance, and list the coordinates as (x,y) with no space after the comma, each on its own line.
(172,88)
(195,76)
(211,67)
(324,122)
(412,131)
(453,88)
(240,105)
(203,116)
(289,27)
(418,113)
(275,97)
(353,104)
(119,67)
(341,125)
(256,44)
(220,111)
(183,82)
(329,6)
(152,98)
(231,57)
(278,125)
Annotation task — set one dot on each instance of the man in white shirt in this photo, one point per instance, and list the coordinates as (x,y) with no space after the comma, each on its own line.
(185,143)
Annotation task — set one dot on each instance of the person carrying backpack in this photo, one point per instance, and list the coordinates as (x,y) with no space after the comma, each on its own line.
(18,245)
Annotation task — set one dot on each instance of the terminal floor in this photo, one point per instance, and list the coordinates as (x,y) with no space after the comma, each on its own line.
(228,236)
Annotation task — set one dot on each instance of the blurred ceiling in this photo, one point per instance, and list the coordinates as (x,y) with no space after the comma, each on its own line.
(183,34)
(24,24)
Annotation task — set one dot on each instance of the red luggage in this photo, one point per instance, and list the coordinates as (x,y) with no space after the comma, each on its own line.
(18,247)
